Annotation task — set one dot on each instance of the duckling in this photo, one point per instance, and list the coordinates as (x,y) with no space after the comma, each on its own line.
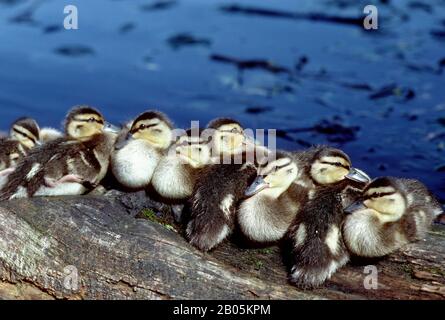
(391,213)
(139,149)
(24,135)
(221,185)
(272,200)
(283,187)
(175,176)
(66,166)
(316,244)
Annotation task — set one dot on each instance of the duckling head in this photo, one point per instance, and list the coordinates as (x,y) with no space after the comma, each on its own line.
(83,122)
(330,165)
(274,177)
(383,199)
(26,131)
(193,149)
(153,127)
(228,136)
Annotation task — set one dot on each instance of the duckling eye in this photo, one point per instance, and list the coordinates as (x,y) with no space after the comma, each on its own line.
(142,127)
(91,119)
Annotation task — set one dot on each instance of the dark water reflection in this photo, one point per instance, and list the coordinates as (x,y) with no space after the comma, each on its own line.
(303,67)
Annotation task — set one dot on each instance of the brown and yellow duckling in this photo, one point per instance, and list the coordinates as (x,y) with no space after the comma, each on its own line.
(66,166)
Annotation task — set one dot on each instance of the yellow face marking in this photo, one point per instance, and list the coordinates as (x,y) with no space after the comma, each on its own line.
(325,173)
(85,126)
(390,207)
(154,131)
(279,175)
(24,136)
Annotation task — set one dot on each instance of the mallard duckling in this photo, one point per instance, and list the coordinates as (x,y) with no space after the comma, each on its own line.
(276,196)
(175,176)
(220,186)
(273,200)
(139,149)
(66,166)
(391,213)
(24,135)
(316,243)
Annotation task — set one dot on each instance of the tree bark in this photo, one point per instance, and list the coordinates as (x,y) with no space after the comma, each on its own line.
(102,247)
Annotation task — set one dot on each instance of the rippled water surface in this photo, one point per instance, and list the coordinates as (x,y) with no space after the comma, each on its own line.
(305,68)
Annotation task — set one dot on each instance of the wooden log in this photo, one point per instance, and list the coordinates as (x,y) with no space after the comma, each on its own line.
(102,247)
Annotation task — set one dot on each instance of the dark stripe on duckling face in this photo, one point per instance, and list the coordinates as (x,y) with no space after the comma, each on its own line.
(24,134)
(28,124)
(143,127)
(336,164)
(90,120)
(378,195)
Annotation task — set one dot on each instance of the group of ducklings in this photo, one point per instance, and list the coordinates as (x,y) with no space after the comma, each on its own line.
(312,200)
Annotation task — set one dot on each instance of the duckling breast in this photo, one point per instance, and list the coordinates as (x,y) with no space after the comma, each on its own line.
(172,179)
(133,165)
(264,221)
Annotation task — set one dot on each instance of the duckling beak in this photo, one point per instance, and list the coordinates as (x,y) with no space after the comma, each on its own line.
(122,141)
(358,176)
(356,206)
(257,185)
(108,127)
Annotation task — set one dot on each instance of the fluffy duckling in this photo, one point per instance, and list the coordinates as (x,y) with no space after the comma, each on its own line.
(24,135)
(220,186)
(139,149)
(391,213)
(315,237)
(176,174)
(66,166)
(273,200)
(316,243)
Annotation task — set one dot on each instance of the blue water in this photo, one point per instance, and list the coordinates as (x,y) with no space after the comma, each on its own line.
(121,61)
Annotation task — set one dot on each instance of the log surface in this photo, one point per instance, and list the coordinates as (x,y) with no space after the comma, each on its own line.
(101,247)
